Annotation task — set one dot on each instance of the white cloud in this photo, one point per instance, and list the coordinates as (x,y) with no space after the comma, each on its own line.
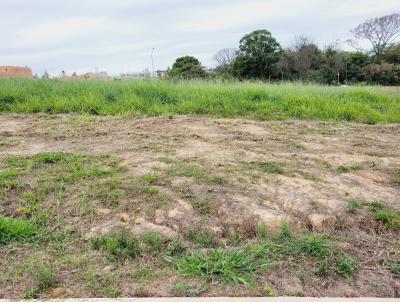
(67,29)
(239,14)
(61,30)
(230,16)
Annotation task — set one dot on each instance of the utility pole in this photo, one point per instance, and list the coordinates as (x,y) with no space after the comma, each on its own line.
(152,59)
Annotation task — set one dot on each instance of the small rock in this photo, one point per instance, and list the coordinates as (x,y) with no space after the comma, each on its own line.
(350,293)
(103,229)
(109,268)
(148,227)
(124,217)
(140,220)
(175,214)
(273,220)
(159,216)
(321,222)
(185,205)
(293,287)
(103,212)
(217,231)
(57,292)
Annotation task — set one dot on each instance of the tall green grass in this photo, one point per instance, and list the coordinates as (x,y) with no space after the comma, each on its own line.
(253,100)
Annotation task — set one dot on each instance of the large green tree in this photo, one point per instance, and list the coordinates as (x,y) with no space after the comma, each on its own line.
(257,57)
(392,54)
(187,67)
(355,62)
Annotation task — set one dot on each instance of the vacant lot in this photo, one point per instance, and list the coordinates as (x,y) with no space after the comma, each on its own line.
(187,206)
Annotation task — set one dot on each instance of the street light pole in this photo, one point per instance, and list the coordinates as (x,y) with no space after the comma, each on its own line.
(152,60)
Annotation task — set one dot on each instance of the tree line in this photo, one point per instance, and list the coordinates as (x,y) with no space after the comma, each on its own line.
(261,57)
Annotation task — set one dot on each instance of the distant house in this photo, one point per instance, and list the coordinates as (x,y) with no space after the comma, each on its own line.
(15,72)
(162,74)
(95,75)
(85,76)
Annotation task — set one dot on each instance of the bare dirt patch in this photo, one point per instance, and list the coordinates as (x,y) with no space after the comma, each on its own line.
(225,176)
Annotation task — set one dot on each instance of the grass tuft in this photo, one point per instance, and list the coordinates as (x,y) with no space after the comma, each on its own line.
(12,229)
(390,218)
(154,242)
(201,239)
(237,266)
(121,244)
(271,167)
(346,266)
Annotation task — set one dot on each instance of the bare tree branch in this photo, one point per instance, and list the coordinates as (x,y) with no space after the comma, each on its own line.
(380,32)
(225,56)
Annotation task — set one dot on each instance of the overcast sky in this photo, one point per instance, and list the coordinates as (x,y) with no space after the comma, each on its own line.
(118,35)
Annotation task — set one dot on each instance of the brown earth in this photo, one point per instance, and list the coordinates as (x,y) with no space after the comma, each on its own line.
(308,152)
(302,172)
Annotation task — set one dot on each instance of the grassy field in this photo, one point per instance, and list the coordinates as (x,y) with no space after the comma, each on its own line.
(257,101)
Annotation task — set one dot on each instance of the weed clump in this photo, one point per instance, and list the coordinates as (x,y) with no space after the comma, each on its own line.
(45,277)
(12,229)
(238,266)
(271,167)
(202,239)
(154,242)
(388,217)
(346,266)
(121,244)
(204,206)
